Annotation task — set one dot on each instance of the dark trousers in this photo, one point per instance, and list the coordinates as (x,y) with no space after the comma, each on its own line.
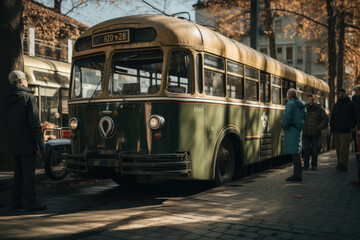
(297,165)
(357,156)
(342,143)
(311,147)
(24,179)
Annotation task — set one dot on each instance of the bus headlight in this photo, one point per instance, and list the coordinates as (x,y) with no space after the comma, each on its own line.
(156,122)
(73,123)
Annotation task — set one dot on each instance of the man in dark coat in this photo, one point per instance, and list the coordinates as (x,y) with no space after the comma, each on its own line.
(342,120)
(24,136)
(316,120)
(356,136)
(293,123)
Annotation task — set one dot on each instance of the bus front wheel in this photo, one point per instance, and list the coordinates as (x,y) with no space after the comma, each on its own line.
(225,163)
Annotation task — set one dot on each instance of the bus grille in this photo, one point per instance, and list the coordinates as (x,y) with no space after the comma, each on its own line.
(130,163)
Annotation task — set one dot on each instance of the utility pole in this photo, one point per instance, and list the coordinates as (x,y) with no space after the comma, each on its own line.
(254,24)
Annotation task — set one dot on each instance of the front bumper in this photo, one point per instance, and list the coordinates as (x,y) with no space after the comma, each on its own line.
(178,163)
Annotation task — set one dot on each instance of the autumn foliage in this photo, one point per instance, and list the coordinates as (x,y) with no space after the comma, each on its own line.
(48,24)
(331,25)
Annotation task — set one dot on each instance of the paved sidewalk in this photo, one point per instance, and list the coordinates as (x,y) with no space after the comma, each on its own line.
(6,178)
(263,206)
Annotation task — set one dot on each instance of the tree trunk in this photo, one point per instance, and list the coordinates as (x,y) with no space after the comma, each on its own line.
(270,29)
(57,6)
(11,33)
(341,47)
(331,19)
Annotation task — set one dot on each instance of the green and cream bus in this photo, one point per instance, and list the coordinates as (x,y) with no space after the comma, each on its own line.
(155,97)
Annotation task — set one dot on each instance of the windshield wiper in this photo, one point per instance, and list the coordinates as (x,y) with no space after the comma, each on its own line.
(122,96)
(94,92)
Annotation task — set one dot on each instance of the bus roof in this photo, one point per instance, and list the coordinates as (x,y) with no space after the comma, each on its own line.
(178,32)
(45,72)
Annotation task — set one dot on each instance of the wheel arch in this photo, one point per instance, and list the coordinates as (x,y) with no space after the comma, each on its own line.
(233,133)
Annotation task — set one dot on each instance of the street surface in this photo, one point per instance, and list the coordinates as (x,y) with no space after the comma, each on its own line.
(261,206)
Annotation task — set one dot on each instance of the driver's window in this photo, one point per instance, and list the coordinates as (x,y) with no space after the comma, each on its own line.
(179,80)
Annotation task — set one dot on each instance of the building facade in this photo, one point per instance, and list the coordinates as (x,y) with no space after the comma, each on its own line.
(47,47)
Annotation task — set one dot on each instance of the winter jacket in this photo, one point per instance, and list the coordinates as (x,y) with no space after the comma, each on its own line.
(316,120)
(356,101)
(293,123)
(22,121)
(343,116)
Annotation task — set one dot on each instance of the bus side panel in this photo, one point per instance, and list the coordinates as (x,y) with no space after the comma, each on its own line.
(275,119)
(183,131)
(218,117)
(253,129)
(192,137)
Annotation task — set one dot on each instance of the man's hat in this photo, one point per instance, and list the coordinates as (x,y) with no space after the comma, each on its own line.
(15,76)
(356,88)
(340,90)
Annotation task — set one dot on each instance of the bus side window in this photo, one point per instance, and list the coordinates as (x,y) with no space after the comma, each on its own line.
(199,73)
(235,80)
(179,80)
(251,84)
(264,87)
(276,90)
(285,88)
(214,83)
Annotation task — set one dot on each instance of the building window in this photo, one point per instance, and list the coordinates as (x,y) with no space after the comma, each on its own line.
(300,55)
(278,26)
(279,53)
(263,50)
(289,54)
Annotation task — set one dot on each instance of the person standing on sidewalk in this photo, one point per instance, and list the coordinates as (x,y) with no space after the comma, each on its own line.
(356,101)
(342,121)
(316,120)
(293,123)
(24,136)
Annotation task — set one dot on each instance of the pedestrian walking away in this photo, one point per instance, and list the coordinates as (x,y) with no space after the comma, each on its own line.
(356,135)
(24,136)
(342,121)
(293,123)
(315,121)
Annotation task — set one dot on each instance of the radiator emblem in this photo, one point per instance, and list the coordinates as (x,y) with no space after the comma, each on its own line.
(106,127)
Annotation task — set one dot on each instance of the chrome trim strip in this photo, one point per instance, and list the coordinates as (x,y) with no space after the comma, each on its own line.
(178,99)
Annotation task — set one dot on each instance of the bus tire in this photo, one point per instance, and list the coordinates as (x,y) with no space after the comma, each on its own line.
(225,163)
(54,164)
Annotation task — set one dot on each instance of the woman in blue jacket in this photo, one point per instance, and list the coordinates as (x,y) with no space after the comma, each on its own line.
(293,123)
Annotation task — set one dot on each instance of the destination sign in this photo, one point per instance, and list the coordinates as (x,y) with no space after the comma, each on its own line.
(121,36)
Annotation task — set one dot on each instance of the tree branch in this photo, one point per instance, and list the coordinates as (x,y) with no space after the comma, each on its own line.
(75,6)
(300,15)
(352,26)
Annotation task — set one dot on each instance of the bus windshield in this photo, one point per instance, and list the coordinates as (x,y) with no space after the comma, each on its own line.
(136,73)
(87,77)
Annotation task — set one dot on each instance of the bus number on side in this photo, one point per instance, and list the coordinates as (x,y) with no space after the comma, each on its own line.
(110,38)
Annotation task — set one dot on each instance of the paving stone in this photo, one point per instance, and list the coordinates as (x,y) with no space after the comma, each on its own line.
(261,206)
(214,234)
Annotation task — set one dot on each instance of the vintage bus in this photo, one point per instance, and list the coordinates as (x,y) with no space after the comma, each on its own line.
(49,80)
(155,97)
